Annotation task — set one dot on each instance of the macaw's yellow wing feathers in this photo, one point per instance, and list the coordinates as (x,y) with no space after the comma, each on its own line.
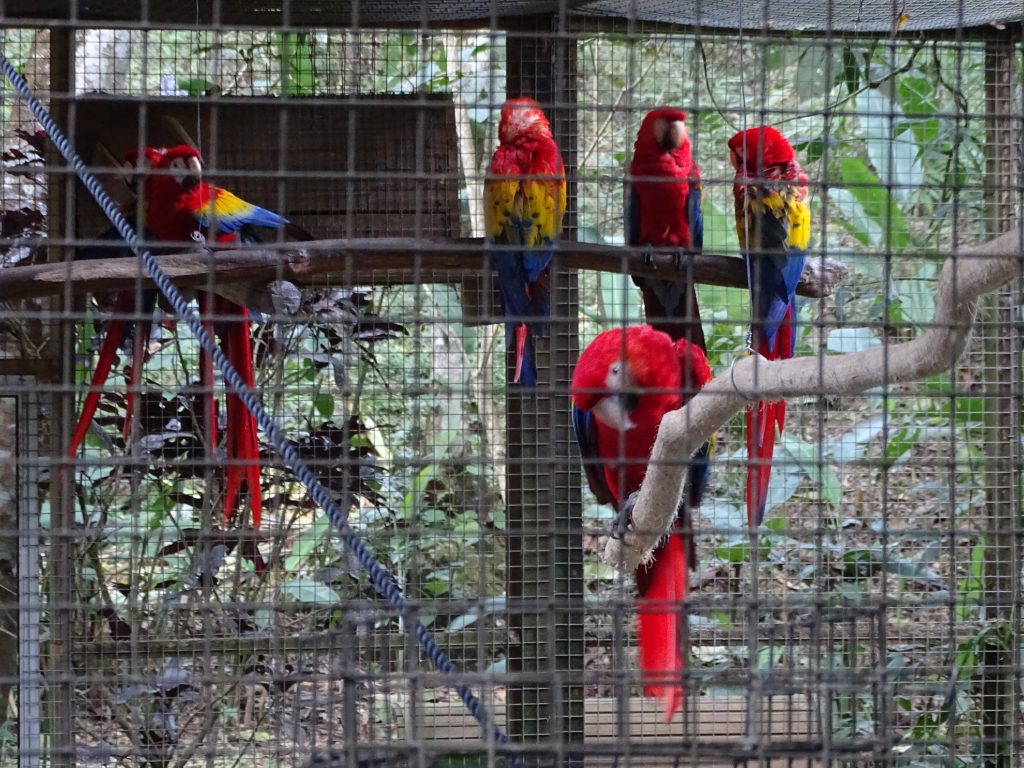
(524,211)
(229,211)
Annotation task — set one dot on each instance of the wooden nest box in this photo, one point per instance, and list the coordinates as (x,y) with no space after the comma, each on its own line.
(371,166)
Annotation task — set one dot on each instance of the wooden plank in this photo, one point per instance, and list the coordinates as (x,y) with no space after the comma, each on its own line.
(448,723)
(377,260)
(715,731)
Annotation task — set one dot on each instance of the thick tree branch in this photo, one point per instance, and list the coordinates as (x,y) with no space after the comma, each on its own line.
(377,261)
(965,277)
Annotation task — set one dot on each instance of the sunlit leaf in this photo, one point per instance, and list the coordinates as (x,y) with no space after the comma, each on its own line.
(892,149)
(842,341)
(873,196)
(310,591)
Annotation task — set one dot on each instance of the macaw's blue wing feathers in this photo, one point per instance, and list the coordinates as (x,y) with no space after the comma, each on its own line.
(695,214)
(230,211)
(583,426)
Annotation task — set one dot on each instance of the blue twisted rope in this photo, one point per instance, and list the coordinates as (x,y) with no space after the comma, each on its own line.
(380,578)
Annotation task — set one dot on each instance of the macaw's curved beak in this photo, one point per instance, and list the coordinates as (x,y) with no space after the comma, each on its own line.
(195,173)
(615,409)
(674,136)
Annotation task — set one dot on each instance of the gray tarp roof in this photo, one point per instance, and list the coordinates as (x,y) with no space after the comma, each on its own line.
(870,16)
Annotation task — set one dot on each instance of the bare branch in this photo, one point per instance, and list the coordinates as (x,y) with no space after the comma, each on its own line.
(965,277)
(378,261)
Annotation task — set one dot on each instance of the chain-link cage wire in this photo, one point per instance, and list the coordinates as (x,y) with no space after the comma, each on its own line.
(148,621)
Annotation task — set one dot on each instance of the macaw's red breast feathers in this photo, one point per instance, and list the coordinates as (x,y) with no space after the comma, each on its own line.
(664,210)
(662,171)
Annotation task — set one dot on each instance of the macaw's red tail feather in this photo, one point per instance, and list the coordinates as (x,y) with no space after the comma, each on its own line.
(117,329)
(242,448)
(209,412)
(764,422)
(662,586)
(140,343)
(522,334)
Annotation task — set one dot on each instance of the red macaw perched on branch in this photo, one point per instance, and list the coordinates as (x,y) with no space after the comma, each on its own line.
(524,203)
(178,204)
(773,222)
(624,383)
(119,328)
(664,211)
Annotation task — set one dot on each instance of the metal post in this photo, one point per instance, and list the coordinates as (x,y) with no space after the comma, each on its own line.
(999,694)
(545,578)
(59,711)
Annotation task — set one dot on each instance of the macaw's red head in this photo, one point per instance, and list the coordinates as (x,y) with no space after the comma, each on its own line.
(627,375)
(662,130)
(755,149)
(179,169)
(520,117)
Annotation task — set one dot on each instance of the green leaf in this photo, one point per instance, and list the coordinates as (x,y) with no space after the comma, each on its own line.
(854,219)
(892,151)
(810,458)
(719,229)
(307,542)
(297,75)
(310,591)
(842,341)
(917,95)
(917,295)
(849,446)
(413,500)
(491,605)
(867,188)
(735,551)
(900,444)
(595,570)
(436,588)
(195,86)
(809,80)
(851,71)
(324,404)
(969,589)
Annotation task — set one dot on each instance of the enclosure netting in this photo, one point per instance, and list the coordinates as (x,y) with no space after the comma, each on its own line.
(874,617)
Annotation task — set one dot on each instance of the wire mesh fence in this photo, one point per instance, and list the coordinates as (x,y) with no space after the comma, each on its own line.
(172,595)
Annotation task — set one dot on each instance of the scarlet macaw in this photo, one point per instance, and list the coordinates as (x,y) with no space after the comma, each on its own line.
(178,202)
(118,329)
(524,203)
(626,380)
(664,211)
(773,222)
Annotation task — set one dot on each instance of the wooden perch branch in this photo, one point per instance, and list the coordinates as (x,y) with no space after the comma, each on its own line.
(965,277)
(373,260)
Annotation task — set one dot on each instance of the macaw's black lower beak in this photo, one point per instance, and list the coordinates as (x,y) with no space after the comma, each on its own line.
(629,401)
